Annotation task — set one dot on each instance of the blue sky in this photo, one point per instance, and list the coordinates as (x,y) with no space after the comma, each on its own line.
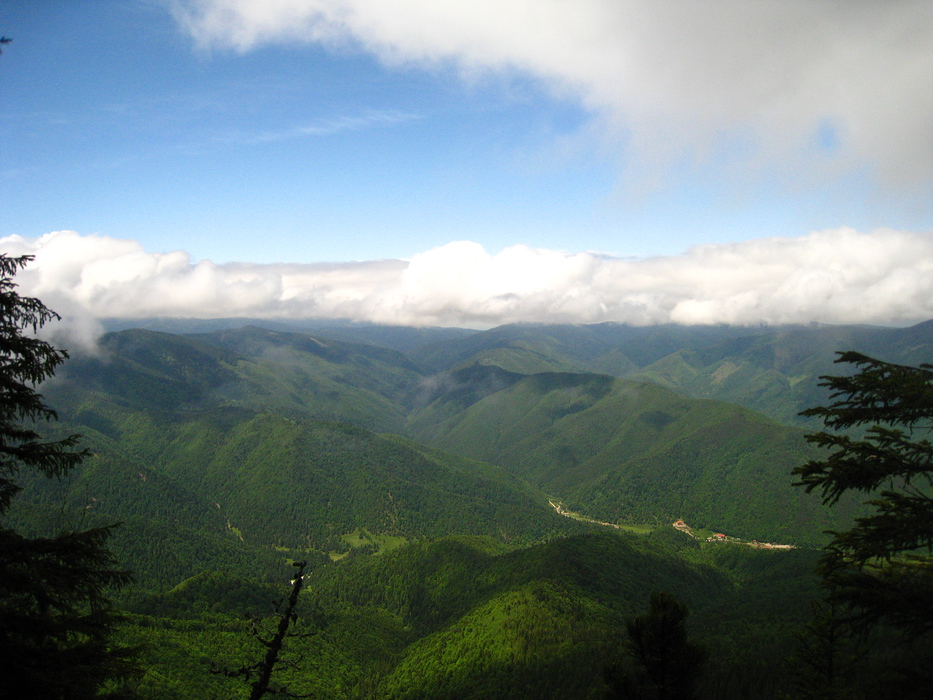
(113,122)
(305,132)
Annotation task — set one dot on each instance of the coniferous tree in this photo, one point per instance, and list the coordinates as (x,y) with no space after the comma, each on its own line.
(666,665)
(881,569)
(55,617)
(827,656)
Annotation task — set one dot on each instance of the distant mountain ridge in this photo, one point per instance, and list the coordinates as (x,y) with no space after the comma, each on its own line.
(771,369)
(417,476)
(614,449)
(774,370)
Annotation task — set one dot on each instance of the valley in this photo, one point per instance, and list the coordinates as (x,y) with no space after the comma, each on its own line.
(485,350)
(680,525)
(481,510)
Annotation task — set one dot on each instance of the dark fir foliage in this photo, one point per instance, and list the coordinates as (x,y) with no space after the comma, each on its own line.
(665,664)
(881,569)
(55,617)
(827,656)
(24,362)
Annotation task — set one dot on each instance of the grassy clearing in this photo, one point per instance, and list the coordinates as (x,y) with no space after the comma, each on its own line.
(364,538)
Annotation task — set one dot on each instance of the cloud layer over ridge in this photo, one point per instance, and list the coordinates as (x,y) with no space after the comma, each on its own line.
(834,276)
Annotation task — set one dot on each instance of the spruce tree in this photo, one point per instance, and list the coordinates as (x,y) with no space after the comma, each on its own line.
(881,569)
(56,619)
(664,664)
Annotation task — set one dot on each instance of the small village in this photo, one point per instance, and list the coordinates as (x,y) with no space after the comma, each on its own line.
(720,537)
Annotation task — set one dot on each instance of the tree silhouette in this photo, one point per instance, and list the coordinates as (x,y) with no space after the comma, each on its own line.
(827,656)
(881,569)
(666,664)
(259,674)
(55,617)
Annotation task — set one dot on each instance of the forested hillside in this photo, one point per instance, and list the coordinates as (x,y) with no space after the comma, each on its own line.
(237,421)
(773,370)
(627,451)
(770,369)
(618,450)
(222,483)
(472,618)
(420,481)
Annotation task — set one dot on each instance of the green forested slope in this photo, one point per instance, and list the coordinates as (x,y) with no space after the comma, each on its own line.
(288,373)
(467,617)
(229,453)
(285,482)
(238,478)
(227,414)
(630,451)
(774,370)
(207,449)
(326,378)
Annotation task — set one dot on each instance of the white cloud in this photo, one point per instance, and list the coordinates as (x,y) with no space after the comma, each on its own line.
(682,80)
(835,276)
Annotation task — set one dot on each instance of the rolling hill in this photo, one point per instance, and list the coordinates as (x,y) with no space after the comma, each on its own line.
(240,411)
(221,448)
(469,617)
(625,451)
(231,451)
(773,370)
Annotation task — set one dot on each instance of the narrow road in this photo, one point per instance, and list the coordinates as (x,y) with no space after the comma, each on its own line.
(678,525)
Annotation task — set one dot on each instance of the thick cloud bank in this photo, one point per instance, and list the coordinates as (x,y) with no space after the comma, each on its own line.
(797,86)
(834,276)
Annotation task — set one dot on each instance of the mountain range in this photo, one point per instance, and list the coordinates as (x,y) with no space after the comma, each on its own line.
(249,421)
(433,457)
